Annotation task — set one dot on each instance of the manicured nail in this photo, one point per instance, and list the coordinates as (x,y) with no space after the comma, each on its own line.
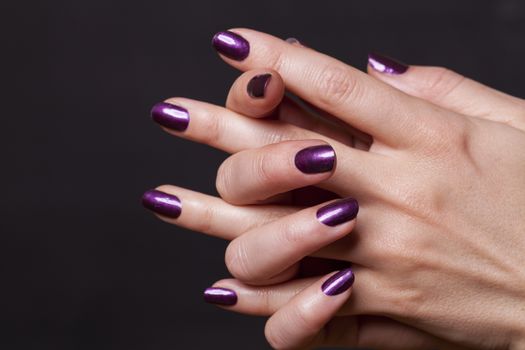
(293,41)
(257,85)
(171,116)
(386,64)
(220,296)
(315,159)
(162,203)
(338,212)
(231,45)
(338,283)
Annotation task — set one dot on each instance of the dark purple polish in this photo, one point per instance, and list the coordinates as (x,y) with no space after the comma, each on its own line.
(220,296)
(386,64)
(257,85)
(162,203)
(315,159)
(338,212)
(171,116)
(338,283)
(231,45)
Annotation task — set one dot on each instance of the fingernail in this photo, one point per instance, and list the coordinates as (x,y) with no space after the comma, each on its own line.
(162,203)
(231,45)
(386,64)
(171,116)
(315,159)
(293,41)
(220,296)
(338,283)
(257,85)
(338,212)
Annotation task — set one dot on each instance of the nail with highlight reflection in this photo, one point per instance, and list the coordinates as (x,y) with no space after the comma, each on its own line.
(315,159)
(162,203)
(386,64)
(231,45)
(171,116)
(338,212)
(220,296)
(338,283)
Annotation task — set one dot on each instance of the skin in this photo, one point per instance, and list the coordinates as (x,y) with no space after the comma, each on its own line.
(438,245)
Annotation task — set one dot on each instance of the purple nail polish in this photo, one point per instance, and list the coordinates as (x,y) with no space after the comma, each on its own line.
(338,283)
(231,45)
(315,159)
(162,203)
(257,85)
(386,64)
(171,116)
(220,296)
(338,212)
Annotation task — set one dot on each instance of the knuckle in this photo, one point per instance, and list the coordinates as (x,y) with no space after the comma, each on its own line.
(440,83)
(237,262)
(206,222)
(223,182)
(335,85)
(213,128)
(265,171)
(275,336)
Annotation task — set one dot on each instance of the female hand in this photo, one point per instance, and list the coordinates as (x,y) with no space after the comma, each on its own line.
(416,147)
(438,199)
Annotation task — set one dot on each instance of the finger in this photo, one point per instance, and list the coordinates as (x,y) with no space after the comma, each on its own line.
(260,93)
(352,331)
(264,252)
(254,175)
(207,214)
(256,93)
(229,131)
(333,86)
(447,89)
(301,322)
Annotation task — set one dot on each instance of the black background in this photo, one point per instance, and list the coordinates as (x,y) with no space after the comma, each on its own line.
(83,265)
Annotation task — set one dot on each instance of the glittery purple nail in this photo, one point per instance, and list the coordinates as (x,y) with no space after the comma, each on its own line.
(315,159)
(231,45)
(162,203)
(338,283)
(338,212)
(171,116)
(386,64)
(220,296)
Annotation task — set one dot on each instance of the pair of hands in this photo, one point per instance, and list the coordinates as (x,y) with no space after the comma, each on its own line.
(434,160)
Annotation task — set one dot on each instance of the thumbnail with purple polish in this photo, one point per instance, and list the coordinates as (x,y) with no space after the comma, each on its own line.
(171,116)
(258,84)
(338,283)
(338,212)
(231,45)
(315,159)
(386,64)
(162,203)
(220,296)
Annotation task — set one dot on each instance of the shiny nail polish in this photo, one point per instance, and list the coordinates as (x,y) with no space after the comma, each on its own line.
(231,45)
(338,212)
(315,159)
(220,296)
(162,203)
(171,116)
(386,64)
(257,85)
(338,283)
